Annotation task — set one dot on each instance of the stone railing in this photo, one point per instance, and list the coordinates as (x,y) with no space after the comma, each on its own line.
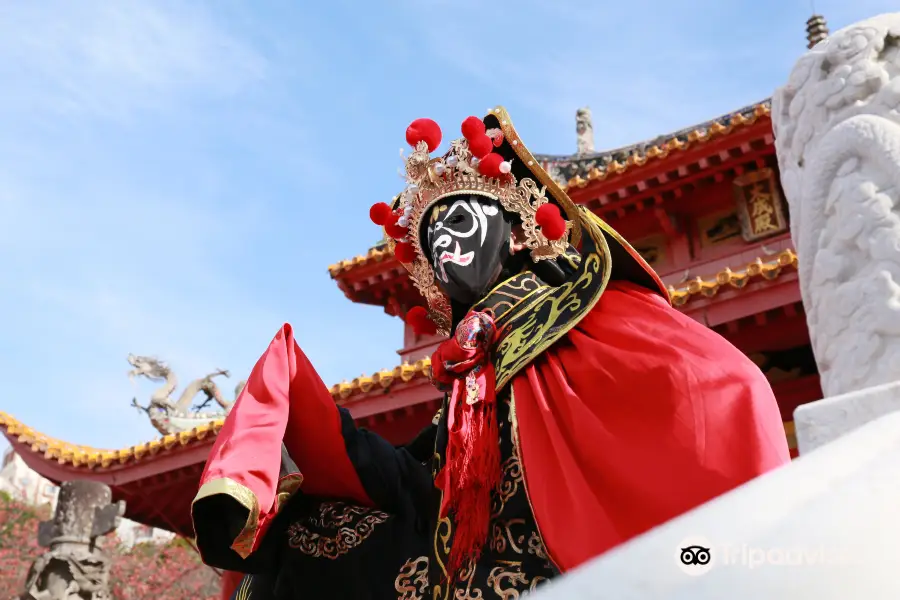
(823,527)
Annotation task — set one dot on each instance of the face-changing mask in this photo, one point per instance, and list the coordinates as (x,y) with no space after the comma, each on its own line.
(467,240)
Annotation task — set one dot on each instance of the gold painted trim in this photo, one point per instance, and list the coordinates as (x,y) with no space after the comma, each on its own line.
(286,488)
(511,136)
(531,331)
(768,270)
(245,588)
(243,543)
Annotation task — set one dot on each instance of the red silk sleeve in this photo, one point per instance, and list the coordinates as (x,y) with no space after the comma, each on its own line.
(284,400)
(639,415)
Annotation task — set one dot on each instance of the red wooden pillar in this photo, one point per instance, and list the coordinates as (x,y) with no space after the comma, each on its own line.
(230,581)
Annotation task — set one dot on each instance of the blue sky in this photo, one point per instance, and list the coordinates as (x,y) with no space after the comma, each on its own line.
(175,177)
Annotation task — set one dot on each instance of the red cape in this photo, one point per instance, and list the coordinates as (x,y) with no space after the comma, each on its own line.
(639,415)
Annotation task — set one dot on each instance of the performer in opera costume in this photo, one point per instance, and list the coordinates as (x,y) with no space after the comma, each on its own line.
(581,408)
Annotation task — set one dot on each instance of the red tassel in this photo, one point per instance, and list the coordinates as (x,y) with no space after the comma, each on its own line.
(474,470)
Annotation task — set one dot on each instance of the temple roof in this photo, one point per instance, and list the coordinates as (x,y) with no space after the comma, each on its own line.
(92,458)
(577,171)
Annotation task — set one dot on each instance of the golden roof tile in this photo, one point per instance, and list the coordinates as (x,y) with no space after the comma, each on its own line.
(88,457)
(382,379)
(767,269)
(376,254)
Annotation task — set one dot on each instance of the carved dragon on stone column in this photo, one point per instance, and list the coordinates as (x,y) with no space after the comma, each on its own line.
(74,567)
(837,130)
(169,416)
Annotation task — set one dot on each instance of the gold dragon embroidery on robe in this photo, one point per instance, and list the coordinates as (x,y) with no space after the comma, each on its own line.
(335,529)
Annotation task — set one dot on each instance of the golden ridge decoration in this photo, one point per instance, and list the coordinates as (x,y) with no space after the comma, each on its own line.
(349,525)
(93,458)
(766,269)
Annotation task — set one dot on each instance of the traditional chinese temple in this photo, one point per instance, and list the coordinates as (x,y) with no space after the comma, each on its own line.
(703,205)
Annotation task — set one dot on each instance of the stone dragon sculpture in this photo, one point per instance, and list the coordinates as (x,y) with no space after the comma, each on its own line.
(169,416)
(837,130)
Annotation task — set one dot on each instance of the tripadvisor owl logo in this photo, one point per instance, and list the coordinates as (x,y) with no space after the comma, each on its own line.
(695,556)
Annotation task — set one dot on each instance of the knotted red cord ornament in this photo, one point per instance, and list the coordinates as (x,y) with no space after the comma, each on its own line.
(417,318)
(549,219)
(424,130)
(405,252)
(380,213)
(471,472)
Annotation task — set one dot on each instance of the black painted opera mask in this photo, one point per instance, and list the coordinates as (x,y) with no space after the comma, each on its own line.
(467,239)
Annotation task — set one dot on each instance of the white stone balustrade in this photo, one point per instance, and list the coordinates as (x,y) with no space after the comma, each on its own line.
(825,527)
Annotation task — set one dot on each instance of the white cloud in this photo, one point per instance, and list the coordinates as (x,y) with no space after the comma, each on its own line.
(110,59)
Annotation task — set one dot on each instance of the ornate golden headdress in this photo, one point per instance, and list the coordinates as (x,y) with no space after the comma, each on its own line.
(482,163)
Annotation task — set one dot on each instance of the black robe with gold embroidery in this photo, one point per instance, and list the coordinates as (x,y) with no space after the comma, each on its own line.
(329,549)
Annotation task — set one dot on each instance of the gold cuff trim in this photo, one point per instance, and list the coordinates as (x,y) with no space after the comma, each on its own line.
(243,543)
(287,485)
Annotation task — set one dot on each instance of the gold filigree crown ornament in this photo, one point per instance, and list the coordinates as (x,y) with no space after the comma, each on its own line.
(470,167)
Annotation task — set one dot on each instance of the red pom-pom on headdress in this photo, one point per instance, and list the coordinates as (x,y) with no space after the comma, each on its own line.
(424,130)
(490,165)
(549,219)
(417,318)
(480,146)
(380,213)
(394,230)
(472,128)
(405,252)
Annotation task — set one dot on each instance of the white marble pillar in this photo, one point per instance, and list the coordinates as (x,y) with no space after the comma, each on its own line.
(837,136)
